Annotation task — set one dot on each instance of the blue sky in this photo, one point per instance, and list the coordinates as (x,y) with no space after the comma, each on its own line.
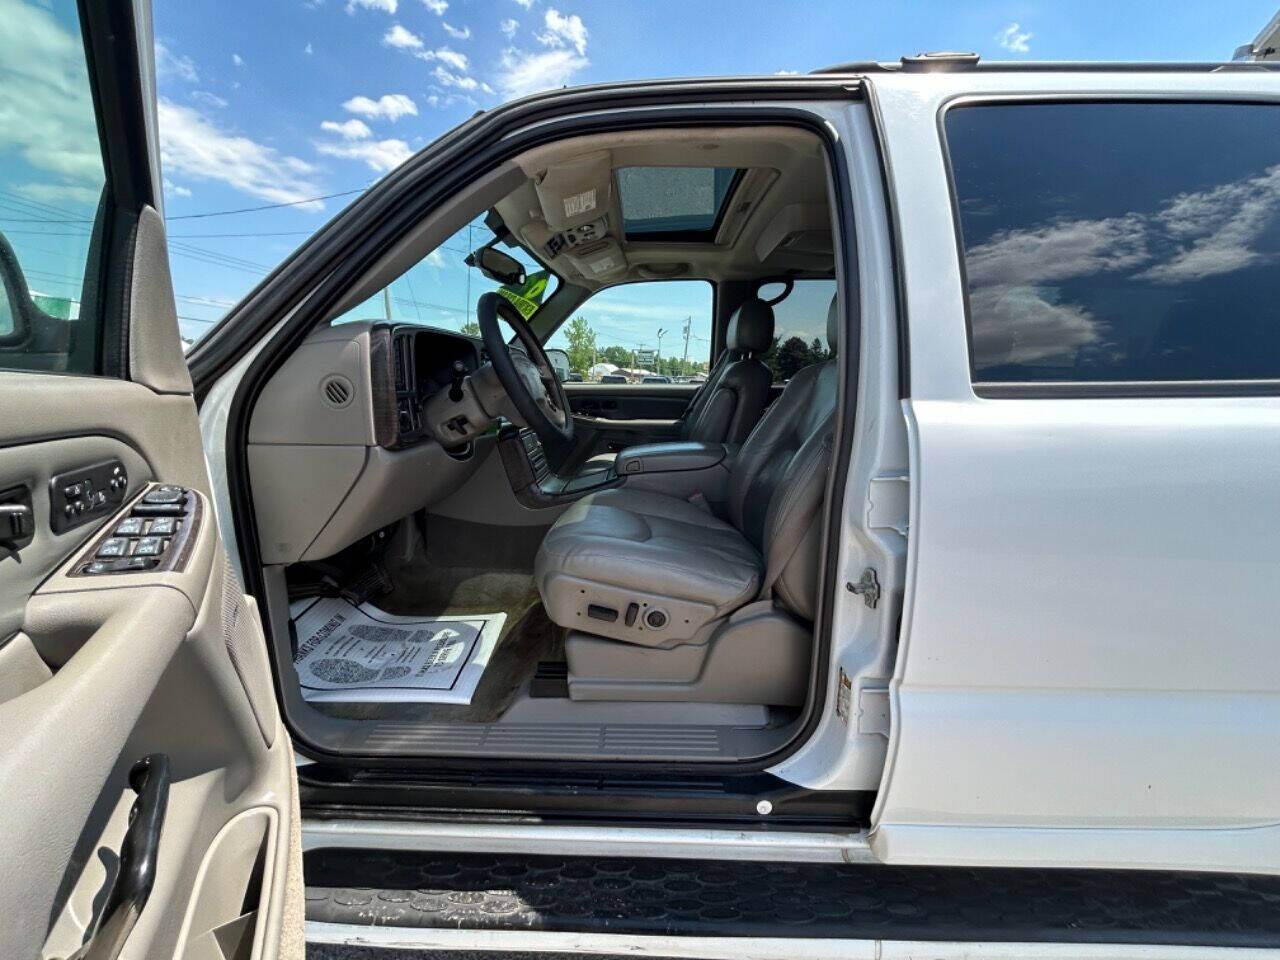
(290,100)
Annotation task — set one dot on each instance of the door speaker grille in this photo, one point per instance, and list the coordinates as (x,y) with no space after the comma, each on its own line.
(336,390)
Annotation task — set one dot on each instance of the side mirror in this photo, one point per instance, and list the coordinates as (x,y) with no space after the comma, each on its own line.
(559,363)
(496,265)
(19,314)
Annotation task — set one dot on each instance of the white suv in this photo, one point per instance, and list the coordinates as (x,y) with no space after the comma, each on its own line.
(941,544)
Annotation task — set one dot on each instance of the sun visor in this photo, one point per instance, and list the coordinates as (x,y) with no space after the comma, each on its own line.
(576,191)
(798,226)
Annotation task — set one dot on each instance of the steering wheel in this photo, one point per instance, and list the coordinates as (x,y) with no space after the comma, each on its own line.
(528,378)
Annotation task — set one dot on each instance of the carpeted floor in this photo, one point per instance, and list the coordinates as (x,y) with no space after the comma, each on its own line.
(527,637)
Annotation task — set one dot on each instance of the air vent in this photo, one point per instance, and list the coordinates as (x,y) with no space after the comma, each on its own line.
(336,391)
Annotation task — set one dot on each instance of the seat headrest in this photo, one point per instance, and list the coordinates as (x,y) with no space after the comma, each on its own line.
(750,327)
(833,323)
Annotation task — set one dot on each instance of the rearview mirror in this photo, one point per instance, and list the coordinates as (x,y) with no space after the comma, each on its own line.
(496,265)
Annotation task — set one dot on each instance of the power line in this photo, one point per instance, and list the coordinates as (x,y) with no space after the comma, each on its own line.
(206,214)
(266,206)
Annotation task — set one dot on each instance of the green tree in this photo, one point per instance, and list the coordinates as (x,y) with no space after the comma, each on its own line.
(582,345)
(770,360)
(471,328)
(618,356)
(793,355)
(817,352)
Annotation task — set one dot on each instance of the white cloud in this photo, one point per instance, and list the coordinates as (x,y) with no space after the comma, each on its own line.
(523,73)
(785,73)
(60,193)
(1059,251)
(390,106)
(438,7)
(525,3)
(458,33)
(387,6)
(449,57)
(509,27)
(379,155)
(46,114)
(401,39)
(307,50)
(170,64)
(1020,313)
(1220,224)
(1014,39)
(209,99)
(174,190)
(564,31)
(192,145)
(352,129)
(437,101)
(237,60)
(459,80)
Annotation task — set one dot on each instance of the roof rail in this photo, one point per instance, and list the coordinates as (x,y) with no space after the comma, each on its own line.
(951,62)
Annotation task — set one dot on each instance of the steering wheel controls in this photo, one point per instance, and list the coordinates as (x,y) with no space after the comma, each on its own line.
(143,539)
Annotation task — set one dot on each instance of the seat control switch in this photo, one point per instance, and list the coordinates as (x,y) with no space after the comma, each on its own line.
(633,609)
(597,612)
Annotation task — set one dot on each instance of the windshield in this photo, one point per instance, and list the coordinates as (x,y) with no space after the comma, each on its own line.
(441,291)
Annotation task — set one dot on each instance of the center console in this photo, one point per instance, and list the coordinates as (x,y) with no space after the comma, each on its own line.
(681,469)
(533,481)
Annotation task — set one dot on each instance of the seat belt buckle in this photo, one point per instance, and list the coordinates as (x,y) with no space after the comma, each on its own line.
(700,501)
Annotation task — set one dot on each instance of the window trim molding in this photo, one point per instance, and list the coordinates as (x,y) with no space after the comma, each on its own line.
(1099,389)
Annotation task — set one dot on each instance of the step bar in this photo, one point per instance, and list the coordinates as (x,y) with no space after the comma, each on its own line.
(354,941)
(687,843)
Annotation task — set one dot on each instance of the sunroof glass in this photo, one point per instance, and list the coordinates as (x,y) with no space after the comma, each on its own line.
(673,200)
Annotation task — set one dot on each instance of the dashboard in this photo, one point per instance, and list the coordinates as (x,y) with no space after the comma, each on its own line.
(422,363)
(337,444)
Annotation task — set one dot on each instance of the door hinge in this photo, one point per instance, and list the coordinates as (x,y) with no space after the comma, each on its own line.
(868,587)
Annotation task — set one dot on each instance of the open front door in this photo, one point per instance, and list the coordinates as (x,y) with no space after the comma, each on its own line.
(149,799)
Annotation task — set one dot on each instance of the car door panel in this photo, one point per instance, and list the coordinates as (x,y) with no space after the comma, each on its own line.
(100,672)
(193,853)
(610,417)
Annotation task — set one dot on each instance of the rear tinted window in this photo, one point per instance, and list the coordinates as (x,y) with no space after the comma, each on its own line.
(1120,241)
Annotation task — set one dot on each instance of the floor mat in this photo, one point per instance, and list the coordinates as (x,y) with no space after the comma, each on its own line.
(532,638)
(363,654)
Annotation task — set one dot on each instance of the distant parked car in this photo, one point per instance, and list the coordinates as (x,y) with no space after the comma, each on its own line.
(656,380)
(613,378)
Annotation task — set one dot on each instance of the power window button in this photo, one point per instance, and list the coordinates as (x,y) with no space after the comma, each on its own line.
(149,547)
(164,495)
(115,547)
(129,527)
(162,526)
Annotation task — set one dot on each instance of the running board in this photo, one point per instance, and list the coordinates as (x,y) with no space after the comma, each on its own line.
(772,846)
(651,898)
(598,741)
(339,941)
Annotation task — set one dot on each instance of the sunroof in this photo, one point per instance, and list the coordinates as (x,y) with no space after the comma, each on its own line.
(674,202)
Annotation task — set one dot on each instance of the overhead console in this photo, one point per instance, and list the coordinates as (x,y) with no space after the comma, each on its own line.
(580,216)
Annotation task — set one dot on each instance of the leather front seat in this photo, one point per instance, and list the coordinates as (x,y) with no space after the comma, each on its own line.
(730,403)
(621,547)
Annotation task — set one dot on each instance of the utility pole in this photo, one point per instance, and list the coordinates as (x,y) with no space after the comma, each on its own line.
(386,301)
(684,361)
(658,361)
